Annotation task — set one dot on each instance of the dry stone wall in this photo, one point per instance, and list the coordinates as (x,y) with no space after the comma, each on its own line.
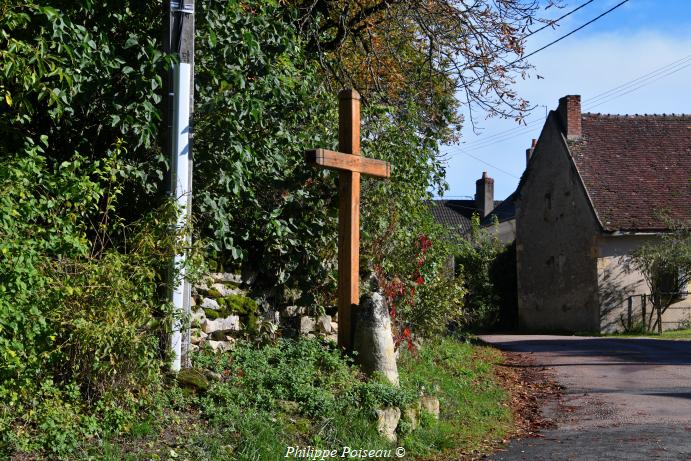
(222,310)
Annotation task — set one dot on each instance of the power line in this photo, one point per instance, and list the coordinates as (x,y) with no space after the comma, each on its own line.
(480,144)
(640,86)
(552,23)
(522,58)
(487,163)
(590,103)
(640,78)
(500,134)
(626,90)
(550,44)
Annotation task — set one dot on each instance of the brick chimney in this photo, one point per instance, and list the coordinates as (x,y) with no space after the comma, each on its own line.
(529,152)
(484,195)
(569,112)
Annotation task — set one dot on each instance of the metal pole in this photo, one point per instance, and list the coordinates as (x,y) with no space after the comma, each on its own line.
(179,40)
(644,302)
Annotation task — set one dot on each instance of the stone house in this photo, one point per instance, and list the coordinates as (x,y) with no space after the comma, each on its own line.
(591,194)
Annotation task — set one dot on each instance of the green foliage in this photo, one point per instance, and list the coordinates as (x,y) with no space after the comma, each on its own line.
(41,216)
(271,396)
(424,297)
(258,105)
(231,421)
(245,307)
(87,75)
(318,378)
(665,264)
(475,260)
(240,305)
(261,101)
(439,304)
(79,349)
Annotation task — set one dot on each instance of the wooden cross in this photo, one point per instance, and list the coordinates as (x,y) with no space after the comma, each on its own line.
(350,165)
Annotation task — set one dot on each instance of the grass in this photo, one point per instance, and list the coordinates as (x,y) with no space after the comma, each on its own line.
(303,393)
(473,405)
(677,334)
(681,334)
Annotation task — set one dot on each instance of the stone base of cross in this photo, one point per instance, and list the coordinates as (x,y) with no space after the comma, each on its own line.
(350,165)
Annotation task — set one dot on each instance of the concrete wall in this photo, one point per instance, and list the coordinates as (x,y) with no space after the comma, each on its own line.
(556,242)
(616,284)
(505,231)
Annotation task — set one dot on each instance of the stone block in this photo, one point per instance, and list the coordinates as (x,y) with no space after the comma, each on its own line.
(272,316)
(198,337)
(225,277)
(333,336)
(229,324)
(198,315)
(224,290)
(373,340)
(293,311)
(220,346)
(307,325)
(387,422)
(324,324)
(412,416)
(208,303)
(193,378)
(430,405)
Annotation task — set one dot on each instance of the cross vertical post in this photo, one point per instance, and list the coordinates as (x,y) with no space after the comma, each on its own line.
(348,216)
(350,166)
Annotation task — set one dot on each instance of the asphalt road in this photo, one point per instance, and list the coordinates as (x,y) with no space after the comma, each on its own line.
(624,399)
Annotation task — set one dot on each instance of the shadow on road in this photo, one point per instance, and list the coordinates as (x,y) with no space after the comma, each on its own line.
(626,351)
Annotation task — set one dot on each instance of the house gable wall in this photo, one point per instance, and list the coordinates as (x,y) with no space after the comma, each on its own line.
(556,235)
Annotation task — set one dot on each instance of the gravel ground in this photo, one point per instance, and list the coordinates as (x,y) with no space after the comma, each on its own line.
(623,399)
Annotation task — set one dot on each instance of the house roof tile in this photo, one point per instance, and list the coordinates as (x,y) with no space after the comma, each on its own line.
(635,167)
(454,214)
(457,214)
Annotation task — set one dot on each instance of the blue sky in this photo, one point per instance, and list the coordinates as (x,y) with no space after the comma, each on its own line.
(639,38)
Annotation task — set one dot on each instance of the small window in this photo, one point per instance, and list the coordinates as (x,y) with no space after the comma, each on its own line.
(672,282)
(548,201)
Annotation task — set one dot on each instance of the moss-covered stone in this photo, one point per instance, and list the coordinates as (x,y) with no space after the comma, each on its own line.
(240,305)
(246,308)
(213,293)
(194,379)
(212,314)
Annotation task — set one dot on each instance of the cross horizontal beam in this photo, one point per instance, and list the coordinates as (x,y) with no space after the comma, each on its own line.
(347,162)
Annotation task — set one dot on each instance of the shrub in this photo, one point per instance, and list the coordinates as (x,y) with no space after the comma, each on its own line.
(475,259)
(80,311)
(440,304)
(316,376)
(411,259)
